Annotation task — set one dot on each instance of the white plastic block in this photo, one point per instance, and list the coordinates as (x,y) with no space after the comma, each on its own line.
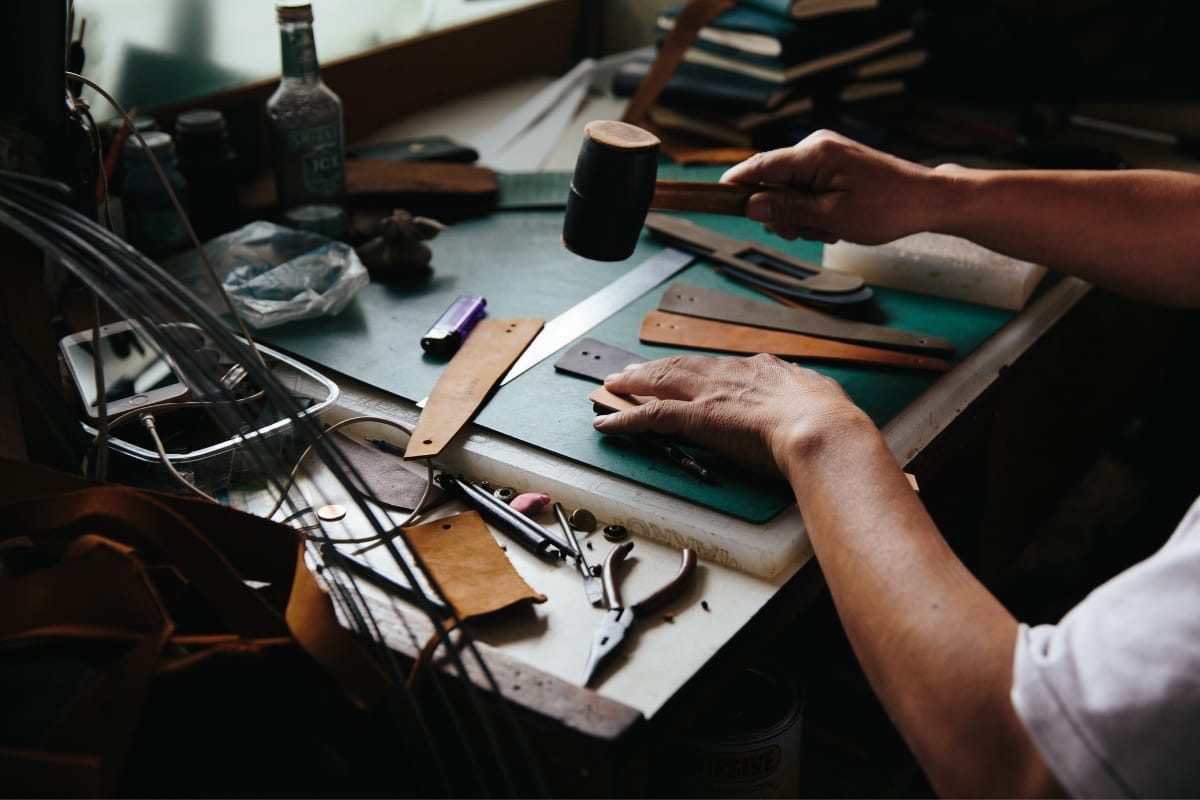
(940,265)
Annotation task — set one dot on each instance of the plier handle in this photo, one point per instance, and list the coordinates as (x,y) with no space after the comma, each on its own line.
(619,618)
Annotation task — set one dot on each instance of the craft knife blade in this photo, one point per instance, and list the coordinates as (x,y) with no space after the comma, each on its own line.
(591,311)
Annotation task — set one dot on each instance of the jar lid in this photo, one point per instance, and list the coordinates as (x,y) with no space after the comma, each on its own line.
(159,142)
(325,219)
(200,120)
(293,12)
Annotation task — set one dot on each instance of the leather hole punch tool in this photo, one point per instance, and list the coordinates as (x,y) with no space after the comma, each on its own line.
(614,629)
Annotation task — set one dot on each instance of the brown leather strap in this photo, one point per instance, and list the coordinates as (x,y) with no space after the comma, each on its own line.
(493,346)
(237,546)
(695,301)
(694,16)
(659,327)
(380,178)
(121,513)
(313,621)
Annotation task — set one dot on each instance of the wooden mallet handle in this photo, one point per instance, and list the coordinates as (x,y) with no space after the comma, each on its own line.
(708,198)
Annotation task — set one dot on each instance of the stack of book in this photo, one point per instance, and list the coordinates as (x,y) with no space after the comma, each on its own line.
(762,73)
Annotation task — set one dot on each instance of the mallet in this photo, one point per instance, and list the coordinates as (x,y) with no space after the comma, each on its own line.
(614,187)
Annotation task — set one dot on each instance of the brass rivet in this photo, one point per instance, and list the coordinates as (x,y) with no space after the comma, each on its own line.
(582,520)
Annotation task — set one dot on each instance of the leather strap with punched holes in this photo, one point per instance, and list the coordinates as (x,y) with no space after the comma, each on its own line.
(659,327)
(694,16)
(694,301)
(493,346)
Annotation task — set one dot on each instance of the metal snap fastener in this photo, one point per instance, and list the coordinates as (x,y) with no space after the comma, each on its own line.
(615,533)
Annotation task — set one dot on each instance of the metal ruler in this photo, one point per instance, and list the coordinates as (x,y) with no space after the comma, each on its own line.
(590,312)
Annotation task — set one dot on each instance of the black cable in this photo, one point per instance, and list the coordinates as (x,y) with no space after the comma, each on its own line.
(123,277)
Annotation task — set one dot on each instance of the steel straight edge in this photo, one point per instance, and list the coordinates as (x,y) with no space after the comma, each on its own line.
(773,551)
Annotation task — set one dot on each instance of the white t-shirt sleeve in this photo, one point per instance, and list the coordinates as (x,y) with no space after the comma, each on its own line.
(1111,694)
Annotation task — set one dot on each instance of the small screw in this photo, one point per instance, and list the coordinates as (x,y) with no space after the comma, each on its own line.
(589,546)
(704,604)
(614,533)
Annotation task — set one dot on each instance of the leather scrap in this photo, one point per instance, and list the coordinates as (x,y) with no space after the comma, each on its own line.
(659,327)
(473,573)
(596,360)
(384,476)
(493,346)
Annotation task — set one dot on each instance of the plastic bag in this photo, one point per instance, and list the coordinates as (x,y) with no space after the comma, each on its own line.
(274,274)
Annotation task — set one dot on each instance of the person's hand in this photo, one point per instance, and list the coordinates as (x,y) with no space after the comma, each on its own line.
(762,411)
(827,187)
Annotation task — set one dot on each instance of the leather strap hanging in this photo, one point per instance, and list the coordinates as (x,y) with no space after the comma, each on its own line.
(694,16)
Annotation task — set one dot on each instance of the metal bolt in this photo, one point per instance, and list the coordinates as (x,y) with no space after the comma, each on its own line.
(614,533)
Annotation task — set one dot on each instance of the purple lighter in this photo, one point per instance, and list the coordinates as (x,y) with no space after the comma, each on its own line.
(447,334)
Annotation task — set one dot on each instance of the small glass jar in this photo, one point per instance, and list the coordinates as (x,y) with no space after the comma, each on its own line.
(208,163)
(152,224)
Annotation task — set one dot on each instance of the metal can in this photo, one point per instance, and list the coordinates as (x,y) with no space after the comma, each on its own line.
(746,742)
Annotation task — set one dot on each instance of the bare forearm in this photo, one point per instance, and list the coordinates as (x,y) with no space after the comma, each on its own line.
(1136,232)
(935,644)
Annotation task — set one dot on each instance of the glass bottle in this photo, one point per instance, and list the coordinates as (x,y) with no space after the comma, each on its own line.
(208,163)
(152,224)
(305,121)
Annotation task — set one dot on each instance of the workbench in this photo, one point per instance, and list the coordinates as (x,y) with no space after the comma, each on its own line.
(538,655)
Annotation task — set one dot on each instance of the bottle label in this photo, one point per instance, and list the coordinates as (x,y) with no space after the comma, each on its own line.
(319,151)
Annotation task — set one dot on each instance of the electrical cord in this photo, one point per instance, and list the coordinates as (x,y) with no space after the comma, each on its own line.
(149,424)
(414,513)
(128,282)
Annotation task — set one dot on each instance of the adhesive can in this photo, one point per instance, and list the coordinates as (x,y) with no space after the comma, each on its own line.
(746,741)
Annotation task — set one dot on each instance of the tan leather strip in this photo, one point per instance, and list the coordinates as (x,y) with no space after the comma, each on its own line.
(675,329)
(312,620)
(611,401)
(493,346)
(695,15)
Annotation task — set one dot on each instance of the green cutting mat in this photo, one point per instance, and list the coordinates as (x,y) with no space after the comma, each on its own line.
(516,260)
